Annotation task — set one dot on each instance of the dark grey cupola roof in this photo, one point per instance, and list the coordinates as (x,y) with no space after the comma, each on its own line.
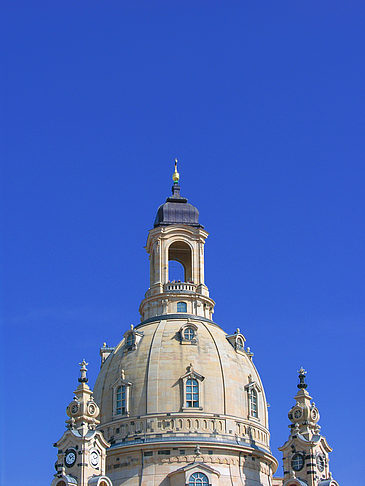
(176,209)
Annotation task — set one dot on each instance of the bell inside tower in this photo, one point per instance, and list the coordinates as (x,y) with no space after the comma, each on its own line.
(180,252)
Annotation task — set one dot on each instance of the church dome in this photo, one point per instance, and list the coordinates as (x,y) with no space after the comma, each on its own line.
(177,386)
(156,359)
(179,401)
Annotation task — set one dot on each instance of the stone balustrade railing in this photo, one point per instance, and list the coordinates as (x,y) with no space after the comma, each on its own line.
(179,287)
(180,424)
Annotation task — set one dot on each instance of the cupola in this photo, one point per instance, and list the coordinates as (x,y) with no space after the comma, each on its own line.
(178,237)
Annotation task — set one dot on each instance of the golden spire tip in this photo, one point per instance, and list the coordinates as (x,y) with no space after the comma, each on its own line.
(176,175)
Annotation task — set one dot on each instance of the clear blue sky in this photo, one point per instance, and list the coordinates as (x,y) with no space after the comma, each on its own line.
(263,103)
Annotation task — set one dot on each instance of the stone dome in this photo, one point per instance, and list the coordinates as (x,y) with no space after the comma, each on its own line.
(181,402)
(177,386)
(155,367)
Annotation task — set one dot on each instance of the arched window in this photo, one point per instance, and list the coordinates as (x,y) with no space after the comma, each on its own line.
(253,403)
(176,271)
(121,400)
(179,251)
(182,307)
(198,479)
(189,333)
(61,483)
(130,340)
(192,393)
(239,343)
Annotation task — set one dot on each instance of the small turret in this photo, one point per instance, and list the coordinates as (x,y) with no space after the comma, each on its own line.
(305,454)
(177,237)
(83,411)
(81,450)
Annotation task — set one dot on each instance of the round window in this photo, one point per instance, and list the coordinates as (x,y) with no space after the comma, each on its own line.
(297,462)
(189,333)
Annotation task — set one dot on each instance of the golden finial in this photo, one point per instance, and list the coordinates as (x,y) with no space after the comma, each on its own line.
(176,175)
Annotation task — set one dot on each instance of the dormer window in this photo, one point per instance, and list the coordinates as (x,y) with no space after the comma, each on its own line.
(182,307)
(189,333)
(121,400)
(239,344)
(253,389)
(121,395)
(192,390)
(192,393)
(131,339)
(253,403)
(238,341)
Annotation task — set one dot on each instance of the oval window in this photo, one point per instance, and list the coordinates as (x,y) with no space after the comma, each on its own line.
(189,333)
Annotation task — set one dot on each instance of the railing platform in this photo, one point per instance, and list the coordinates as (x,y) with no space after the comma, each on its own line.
(179,287)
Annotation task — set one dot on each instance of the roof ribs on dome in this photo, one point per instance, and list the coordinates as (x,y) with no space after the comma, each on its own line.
(177,210)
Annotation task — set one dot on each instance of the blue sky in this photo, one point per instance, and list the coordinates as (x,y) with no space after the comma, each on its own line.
(263,104)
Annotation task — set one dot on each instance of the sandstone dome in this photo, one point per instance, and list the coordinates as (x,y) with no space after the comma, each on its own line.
(156,366)
(179,402)
(177,386)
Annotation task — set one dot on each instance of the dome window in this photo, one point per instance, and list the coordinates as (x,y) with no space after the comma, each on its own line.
(192,390)
(239,344)
(237,340)
(189,333)
(198,479)
(131,339)
(253,389)
(182,307)
(121,397)
(253,403)
(192,393)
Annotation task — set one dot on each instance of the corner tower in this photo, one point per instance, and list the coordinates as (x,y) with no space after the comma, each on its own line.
(176,236)
(82,449)
(305,453)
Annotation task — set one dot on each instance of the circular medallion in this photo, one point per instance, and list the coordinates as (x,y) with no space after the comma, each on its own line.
(297,462)
(70,457)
